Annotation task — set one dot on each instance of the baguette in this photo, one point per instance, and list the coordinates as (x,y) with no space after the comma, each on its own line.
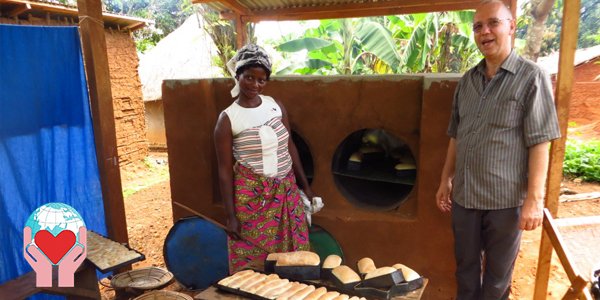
(274,293)
(332,261)
(342,297)
(380,272)
(329,296)
(316,294)
(345,275)
(365,265)
(238,282)
(298,258)
(301,294)
(293,290)
(253,288)
(257,280)
(408,273)
(225,281)
(270,286)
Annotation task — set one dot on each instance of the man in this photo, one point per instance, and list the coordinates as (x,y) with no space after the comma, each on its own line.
(502,120)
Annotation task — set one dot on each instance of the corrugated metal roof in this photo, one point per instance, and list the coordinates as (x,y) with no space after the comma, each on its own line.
(257,10)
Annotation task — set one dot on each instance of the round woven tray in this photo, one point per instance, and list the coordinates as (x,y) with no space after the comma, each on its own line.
(163,295)
(142,279)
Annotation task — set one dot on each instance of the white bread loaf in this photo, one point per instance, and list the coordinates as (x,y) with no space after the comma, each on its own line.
(298,258)
(293,290)
(365,265)
(345,275)
(274,293)
(260,278)
(316,294)
(408,273)
(380,272)
(332,261)
(275,255)
(253,288)
(342,297)
(329,296)
(225,281)
(301,294)
(238,282)
(270,286)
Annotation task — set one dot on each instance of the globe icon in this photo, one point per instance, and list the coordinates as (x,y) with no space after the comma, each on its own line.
(55,217)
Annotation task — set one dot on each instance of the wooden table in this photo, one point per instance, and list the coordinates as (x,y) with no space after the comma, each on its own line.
(212,293)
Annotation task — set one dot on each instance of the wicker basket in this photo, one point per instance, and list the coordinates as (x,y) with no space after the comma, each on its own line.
(142,279)
(163,295)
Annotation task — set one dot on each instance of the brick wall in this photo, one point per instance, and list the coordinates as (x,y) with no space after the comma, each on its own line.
(130,124)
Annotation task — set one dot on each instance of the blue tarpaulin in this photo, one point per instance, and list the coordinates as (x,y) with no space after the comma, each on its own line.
(47,151)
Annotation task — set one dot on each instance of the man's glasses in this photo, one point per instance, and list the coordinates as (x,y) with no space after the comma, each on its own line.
(491,24)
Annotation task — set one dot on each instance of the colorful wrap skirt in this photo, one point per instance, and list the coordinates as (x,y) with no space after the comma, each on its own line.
(271,215)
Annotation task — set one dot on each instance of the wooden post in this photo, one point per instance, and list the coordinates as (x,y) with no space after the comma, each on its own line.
(241,32)
(93,42)
(564,84)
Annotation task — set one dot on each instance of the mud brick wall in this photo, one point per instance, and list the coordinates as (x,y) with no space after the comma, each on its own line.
(130,123)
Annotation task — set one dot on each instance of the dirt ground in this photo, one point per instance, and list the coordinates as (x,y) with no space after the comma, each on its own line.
(148,210)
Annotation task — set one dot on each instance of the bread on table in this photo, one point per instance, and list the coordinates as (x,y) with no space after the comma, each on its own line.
(365,265)
(253,288)
(357,298)
(316,294)
(329,296)
(380,272)
(275,292)
(238,282)
(298,258)
(408,273)
(332,261)
(301,294)
(275,255)
(225,281)
(342,297)
(271,285)
(291,291)
(345,275)
(260,278)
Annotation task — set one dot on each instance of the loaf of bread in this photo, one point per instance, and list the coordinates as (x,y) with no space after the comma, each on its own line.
(357,298)
(106,253)
(301,294)
(253,288)
(238,282)
(275,292)
(342,297)
(345,275)
(408,273)
(332,261)
(293,290)
(275,255)
(225,281)
(298,258)
(260,278)
(329,296)
(270,286)
(316,294)
(365,265)
(380,272)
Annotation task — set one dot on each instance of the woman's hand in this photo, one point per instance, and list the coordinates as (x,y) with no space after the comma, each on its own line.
(309,193)
(234,227)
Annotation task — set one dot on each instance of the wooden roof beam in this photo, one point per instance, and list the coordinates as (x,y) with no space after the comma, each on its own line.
(21,8)
(233,5)
(353,10)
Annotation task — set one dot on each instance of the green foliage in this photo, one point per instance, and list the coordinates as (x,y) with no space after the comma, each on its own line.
(589,31)
(168,15)
(582,159)
(222,33)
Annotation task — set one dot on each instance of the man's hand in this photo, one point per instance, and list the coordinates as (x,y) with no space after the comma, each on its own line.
(443,196)
(532,214)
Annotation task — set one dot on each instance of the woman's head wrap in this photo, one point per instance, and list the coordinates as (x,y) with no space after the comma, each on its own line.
(250,54)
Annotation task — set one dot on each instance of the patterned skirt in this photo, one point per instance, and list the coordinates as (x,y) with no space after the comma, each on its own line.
(271,215)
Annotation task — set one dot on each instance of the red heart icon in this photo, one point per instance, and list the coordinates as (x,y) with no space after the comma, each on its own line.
(55,247)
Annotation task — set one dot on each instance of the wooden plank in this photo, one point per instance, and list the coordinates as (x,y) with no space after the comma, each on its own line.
(241,29)
(96,66)
(21,8)
(579,221)
(579,197)
(564,83)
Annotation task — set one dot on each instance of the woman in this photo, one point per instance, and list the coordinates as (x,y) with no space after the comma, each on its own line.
(260,194)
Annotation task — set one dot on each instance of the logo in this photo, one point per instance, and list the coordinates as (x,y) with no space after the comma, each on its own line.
(54,235)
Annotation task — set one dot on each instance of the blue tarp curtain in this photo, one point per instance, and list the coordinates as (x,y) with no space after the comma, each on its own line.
(47,151)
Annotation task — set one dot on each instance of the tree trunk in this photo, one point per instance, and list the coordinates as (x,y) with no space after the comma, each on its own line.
(535,32)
